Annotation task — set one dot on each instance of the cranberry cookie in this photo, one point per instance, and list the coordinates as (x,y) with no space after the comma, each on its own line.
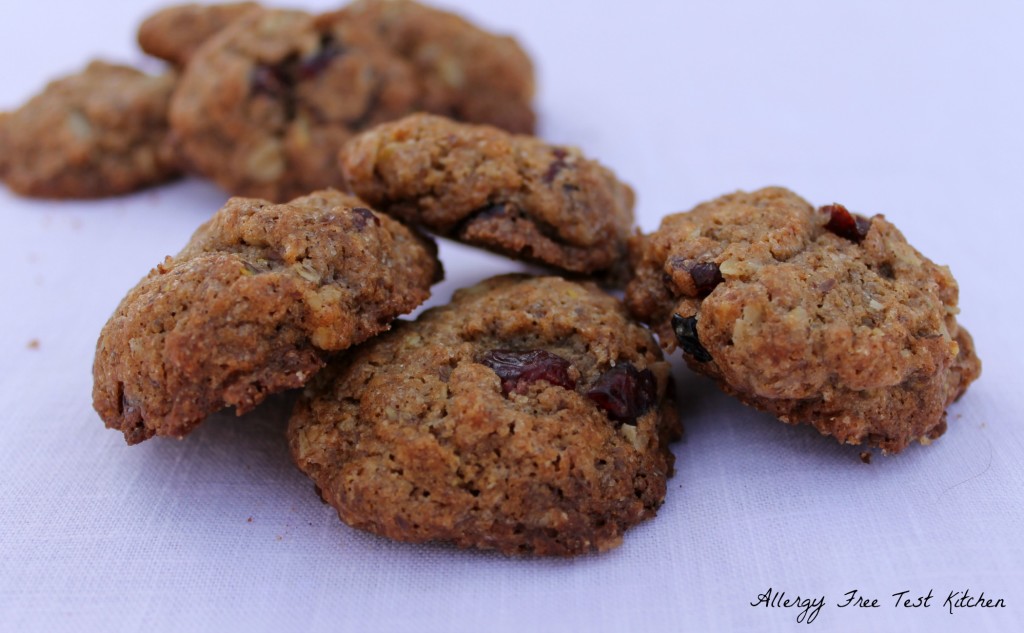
(97,133)
(460,71)
(264,106)
(530,415)
(819,317)
(512,194)
(254,304)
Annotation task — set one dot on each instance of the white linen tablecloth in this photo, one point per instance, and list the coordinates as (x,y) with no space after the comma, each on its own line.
(909,108)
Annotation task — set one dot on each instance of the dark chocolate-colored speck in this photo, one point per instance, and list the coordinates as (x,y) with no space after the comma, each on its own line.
(361,216)
(705,275)
(556,165)
(483,213)
(845,224)
(490,211)
(269,80)
(518,370)
(686,333)
(625,393)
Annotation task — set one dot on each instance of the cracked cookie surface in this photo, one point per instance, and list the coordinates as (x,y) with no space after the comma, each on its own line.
(100,132)
(254,304)
(264,106)
(509,193)
(819,317)
(529,415)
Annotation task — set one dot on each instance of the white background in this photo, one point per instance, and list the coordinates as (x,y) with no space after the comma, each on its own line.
(912,109)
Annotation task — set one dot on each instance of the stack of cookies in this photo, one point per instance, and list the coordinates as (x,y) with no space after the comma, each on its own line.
(531,415)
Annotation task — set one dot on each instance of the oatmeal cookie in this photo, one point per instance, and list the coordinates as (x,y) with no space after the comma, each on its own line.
(512,194)
(173,34)
(530,415)
(264,106)
(100,132)
(254,304)
(461,71)
(819,317)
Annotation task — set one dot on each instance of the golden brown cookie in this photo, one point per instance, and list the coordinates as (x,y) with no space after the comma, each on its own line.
(530,415)
(820,317)
(264,106)
(174,33)
(100,132)
(254,304)
(512,194)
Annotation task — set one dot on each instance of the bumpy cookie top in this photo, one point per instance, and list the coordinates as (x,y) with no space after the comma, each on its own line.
(512,194)
(264,105)
(819,316)
(530,415)
(251,306)
(97,133)
(173,34)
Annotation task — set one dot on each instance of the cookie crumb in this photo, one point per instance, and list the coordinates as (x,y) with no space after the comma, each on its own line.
(865,456)
(249,520)
(33,344)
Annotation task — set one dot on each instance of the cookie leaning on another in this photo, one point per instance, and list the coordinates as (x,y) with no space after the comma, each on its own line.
(530,415)
(513,194)
(819,317)
(254,304)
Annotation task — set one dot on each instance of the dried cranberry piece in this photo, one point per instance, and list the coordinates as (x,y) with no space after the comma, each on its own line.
(686,333)
(556,165)
(518,370)
(272,81)
(278,80)
(845,224)
(625,393)
(315,64)
(706,276)
(361,216)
